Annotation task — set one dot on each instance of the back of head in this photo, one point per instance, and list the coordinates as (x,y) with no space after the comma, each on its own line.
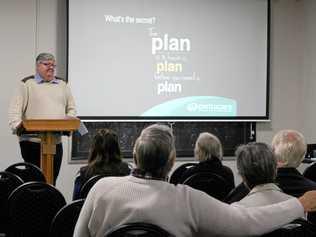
(105,148)
(154,151)
(289,147)
(256,164)
(208,146)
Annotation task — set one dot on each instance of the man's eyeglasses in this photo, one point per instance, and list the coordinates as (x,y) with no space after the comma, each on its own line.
(49,64)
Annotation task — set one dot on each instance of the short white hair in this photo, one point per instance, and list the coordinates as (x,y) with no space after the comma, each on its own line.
(208,146)
(289,147)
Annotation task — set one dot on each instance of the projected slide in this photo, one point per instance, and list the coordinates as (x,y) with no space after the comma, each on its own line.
(175,59)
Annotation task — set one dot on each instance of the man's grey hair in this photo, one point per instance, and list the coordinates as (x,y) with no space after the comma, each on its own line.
(44,57)
(154,150)
(208,146)
(256,164)
(289,147)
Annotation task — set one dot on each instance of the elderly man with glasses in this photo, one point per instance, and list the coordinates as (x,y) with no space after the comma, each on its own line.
(40,96)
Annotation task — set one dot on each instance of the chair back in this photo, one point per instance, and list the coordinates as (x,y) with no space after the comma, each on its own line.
(139,230)
(311,217)
(65,220)
(238,193)
(310,172)
(8,182)
(176,175)
(27,172)
(85,188)
(32,207)
(210,183)
(297,228)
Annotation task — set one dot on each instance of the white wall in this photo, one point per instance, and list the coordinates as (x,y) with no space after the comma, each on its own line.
(17,47)
(29,27)
(286,69)
(309,71)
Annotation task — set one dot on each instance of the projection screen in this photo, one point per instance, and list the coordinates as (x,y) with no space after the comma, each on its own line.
(169,59)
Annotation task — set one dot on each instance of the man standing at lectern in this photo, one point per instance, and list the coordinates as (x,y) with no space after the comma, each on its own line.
(40,96)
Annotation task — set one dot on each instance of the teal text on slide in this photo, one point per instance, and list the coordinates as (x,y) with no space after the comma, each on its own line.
(208,106)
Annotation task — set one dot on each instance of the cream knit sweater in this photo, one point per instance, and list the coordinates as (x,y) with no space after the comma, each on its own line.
(35,100)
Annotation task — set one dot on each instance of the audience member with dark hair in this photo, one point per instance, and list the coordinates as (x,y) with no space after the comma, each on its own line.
(257,166)
(209,152)
(104,159)
(146,196)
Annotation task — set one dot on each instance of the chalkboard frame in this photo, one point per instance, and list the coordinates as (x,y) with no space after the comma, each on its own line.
(231,135)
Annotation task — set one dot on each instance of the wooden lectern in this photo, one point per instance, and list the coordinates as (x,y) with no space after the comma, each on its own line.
(47,129)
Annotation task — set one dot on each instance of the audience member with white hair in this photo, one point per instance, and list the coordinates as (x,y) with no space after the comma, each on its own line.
(289,147)
(208,151)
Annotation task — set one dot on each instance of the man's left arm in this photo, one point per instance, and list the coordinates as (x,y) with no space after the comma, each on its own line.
(70,106)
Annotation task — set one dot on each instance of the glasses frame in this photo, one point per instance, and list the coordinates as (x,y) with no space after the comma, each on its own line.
(48,64)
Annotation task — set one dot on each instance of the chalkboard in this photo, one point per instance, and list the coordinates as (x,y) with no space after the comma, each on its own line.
(231,135)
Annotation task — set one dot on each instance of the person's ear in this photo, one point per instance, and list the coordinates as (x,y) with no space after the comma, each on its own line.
(280,164)
(172,159)
(134,158)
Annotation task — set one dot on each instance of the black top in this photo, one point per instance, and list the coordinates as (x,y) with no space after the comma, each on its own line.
(213,165)
(290,180)
(113,169)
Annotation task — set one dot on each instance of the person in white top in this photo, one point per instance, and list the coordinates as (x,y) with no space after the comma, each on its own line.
(40,96)
(257,167)
(146,196)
